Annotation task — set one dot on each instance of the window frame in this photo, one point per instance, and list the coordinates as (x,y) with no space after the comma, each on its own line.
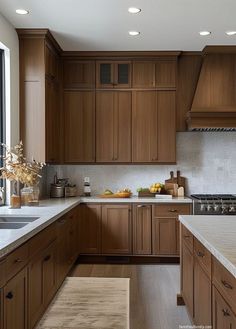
(2,107)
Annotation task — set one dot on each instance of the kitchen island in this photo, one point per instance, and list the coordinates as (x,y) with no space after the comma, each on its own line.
(208,269)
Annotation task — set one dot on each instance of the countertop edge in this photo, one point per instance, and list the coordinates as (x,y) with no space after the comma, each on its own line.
(134,199)
(215,252)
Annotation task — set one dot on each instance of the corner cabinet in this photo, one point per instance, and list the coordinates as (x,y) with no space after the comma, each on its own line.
(40,106)
(113,74)
(113,126)
(153,127)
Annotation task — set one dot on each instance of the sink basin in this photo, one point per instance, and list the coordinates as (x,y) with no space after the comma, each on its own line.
(12,226)
(17,219)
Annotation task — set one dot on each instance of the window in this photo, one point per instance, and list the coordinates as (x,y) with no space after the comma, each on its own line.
(2,112)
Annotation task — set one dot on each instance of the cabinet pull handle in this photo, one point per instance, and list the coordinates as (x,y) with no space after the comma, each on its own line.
(47,258)
(226,284)
(9,295)
(172,210)
(200,254)
(62,221)
(18,260)
(141,206)
(225,312)
(186,236)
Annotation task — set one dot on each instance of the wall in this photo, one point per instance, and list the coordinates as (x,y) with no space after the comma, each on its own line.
(207,159)
(9,40)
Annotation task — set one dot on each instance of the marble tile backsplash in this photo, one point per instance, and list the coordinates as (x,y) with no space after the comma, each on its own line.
(206,159)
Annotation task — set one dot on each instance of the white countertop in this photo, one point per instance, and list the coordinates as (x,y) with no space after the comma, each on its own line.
(134,199)
(217,234)
(48,212)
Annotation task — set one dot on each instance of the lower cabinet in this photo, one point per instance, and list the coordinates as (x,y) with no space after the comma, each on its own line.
(42,282)
(164,236)
(116,229)
(142,229)
(223,317)
(15,302)
(187,277)
(202,296)
(89,229)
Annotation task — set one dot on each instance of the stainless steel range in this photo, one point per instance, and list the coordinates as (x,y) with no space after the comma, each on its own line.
(214,204)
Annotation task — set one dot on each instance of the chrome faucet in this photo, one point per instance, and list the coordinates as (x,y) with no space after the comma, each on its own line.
(2,196)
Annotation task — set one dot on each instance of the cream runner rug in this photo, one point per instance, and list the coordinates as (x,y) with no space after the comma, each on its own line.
(89,303)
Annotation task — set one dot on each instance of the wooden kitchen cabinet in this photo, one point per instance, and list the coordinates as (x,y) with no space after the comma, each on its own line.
(89,229)
(15,302)
(113,126)
(202,295)
(40,106)
(116,229)
(142,229)
(154,74)
(113,74)
(79,123)
(1,309)
(164,236)
(223,317)
(78,74)
(42,282)
(187,276)
(152,113)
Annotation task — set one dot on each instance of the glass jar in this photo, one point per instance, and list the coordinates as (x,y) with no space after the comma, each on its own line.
(30,196)
(15,200)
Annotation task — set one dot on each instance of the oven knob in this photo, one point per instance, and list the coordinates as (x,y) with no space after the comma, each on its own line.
(232,209)
(203,207)
(216,207)
(209,207)
(224,209)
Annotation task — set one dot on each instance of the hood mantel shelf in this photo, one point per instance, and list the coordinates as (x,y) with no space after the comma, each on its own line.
(214,102)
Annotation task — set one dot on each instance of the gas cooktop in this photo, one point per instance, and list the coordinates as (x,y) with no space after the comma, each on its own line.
(214,204)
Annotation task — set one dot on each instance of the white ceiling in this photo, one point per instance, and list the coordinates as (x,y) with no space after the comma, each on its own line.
(104,24)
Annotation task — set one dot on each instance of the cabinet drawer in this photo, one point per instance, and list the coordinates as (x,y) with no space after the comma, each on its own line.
(225,282)
(187,238)
(203,256)
(42,240)
(223,317)
(171,210)
(17,260)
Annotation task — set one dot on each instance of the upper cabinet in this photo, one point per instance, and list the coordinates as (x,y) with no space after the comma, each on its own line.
(154,74)
(78,74)
(153,126)
(40,106)
(113,126)
(113,74)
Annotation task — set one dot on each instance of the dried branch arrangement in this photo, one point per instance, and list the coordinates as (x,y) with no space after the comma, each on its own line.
(15,167)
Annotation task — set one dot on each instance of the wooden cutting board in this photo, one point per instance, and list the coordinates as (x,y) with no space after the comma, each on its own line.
(180,180)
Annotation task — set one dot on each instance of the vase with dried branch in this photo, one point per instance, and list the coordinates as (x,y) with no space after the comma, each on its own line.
(19,171)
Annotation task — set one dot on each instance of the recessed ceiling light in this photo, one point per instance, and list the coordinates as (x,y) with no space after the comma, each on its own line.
(204,33)
(133,33)
(230,32)
(134,10)
(22,11)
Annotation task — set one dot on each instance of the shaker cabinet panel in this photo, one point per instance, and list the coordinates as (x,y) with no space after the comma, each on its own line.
(223,317)
(165,74)
(113,126)
(164,236)
(187,278)
(143,74)
(142,229)
(78,74)
(79,119)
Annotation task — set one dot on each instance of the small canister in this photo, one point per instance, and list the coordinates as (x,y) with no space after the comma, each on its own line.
(57,191)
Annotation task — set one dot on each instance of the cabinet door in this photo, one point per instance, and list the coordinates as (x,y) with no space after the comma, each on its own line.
(79,118)
(51,63)
(122,75)
(53,131)
(113,126)
(187,278)
(223,317)
(78,74)
(144,126)
(1,309)
(62,253)
(202,296)
(16,302)
(72,236)
(105,74)
(49,273)
(165,74)
(116,229)
(143,74)
(164,236)
(166,126)
(89,229)
(142,229)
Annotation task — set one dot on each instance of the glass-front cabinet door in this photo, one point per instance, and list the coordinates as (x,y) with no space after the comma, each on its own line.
(112,74)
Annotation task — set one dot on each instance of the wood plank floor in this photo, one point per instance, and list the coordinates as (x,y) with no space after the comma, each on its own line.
(153,290)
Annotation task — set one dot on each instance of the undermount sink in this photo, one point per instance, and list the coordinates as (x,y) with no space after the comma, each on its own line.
(17,219)
(12,226)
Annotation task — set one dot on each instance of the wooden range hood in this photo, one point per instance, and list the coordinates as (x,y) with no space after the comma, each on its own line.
(214,103)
